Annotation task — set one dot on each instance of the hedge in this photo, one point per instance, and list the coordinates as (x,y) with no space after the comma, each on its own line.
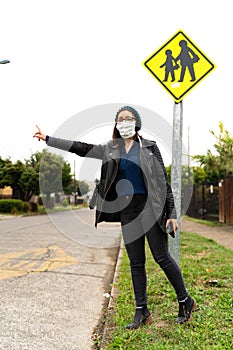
(11,205)
(14,206)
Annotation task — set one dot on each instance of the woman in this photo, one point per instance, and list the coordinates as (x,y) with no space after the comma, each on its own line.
(133,189)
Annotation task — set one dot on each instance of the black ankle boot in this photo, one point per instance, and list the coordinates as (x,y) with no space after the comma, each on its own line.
(185,310)
(142,316)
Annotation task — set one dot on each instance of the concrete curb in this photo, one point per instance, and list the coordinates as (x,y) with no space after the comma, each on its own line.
(112,300)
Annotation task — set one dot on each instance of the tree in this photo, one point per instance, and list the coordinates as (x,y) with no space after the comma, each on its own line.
(66,178)
(220,164)
(4,176)
(12,174)
(83,187)
(55,176)
(224,149)
(188,174)
(44,172)
(199,175)
(29,180)
(22,178)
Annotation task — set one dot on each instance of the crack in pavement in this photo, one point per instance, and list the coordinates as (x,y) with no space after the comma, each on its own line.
(15,264)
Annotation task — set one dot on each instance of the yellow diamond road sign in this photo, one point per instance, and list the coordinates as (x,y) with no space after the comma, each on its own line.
(179,65)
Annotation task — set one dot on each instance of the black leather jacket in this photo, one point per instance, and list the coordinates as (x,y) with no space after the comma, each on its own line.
(104,198)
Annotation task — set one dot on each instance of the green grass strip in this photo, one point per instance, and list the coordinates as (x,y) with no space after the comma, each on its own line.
(205,222)
(201,260)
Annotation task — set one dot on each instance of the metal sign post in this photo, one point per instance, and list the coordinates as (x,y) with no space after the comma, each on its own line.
(176,174)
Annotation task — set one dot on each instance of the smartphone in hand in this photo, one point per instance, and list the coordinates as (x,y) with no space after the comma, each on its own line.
(170,230)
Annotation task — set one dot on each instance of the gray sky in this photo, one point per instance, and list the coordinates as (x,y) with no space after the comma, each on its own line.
(68,56)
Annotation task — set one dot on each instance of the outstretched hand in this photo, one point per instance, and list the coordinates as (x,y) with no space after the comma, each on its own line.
(39,135)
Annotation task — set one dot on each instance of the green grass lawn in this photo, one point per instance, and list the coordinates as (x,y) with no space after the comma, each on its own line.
(201,260)
(205,222)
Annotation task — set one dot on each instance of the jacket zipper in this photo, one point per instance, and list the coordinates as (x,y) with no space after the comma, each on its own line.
(113,178)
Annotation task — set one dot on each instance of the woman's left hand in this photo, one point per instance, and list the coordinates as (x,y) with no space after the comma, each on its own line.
(173,223)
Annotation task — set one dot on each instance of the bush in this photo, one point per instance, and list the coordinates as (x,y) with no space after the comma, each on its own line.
(33,207)
(49,203)
(65,202)
(40,201)
(26,208)
(11,205)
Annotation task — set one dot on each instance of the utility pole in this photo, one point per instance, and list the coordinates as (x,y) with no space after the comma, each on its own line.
(75,187)
(189,168)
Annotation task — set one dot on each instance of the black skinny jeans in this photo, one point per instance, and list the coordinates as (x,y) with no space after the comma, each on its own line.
(137,217)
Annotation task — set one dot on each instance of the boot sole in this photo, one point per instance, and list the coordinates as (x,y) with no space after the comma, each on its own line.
(148,320)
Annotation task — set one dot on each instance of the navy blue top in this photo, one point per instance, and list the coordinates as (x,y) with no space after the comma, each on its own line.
(130,178)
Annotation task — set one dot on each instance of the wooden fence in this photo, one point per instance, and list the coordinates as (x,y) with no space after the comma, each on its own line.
(226,200)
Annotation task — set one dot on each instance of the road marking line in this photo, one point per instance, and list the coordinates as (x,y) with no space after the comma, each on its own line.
(17,264)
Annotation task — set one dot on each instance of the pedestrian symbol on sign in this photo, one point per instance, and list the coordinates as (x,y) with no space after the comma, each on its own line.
(187,58)
(170,65)
(179,65)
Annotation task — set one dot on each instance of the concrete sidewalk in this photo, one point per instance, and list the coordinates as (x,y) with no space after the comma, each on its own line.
(54,273)
(223,234)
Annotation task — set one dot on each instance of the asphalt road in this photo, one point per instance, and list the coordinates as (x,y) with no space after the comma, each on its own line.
(54,271)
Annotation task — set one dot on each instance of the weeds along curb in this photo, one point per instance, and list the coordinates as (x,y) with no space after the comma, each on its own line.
(112,300)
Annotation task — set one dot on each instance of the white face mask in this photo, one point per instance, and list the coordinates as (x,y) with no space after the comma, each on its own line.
(126,130)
